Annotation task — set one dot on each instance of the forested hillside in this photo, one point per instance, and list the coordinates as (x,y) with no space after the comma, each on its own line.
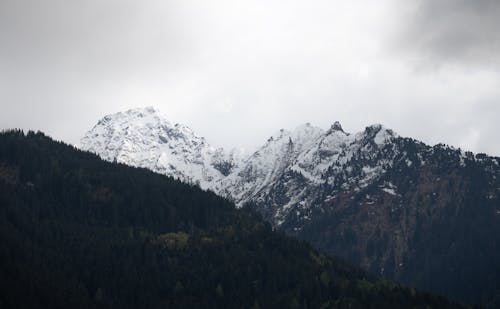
(79,232)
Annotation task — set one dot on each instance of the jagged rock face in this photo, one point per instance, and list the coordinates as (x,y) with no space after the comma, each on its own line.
(290,172)
(144,138)
(425,216)
(257,173)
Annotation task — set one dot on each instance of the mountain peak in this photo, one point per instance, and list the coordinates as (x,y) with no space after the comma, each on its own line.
(143,110)
(306,127)
(336,126)
(142,116)
(379,133)
(143,137)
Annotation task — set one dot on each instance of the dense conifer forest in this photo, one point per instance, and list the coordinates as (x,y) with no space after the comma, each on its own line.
(78,232)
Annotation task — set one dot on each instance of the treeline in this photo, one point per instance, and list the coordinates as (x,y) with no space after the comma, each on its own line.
(78,232)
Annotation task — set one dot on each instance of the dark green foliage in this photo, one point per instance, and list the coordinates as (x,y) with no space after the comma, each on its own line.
(78,232)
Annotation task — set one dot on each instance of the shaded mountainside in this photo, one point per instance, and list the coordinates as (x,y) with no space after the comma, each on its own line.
(434,224)
(80,232)
(425,216)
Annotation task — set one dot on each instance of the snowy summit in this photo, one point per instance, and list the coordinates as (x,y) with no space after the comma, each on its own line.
(143,137)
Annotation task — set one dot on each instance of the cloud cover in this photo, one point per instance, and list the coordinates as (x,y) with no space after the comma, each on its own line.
(460,31)
(236,71)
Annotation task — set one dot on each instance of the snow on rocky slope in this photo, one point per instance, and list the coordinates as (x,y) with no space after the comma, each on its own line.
(267,164)
(282,174)
(143,137)
(293,173)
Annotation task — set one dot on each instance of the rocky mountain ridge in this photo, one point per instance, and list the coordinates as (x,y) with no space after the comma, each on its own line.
(396,206)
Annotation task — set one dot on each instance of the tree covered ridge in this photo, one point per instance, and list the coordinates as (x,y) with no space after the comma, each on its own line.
(83,233)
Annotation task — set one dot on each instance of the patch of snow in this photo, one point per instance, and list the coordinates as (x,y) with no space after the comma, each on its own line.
(382,137)
(390,191)
(389,188)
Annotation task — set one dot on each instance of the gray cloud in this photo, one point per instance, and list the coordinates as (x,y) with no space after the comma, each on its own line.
(459,31)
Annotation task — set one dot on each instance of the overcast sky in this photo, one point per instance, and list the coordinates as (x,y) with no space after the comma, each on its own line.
(237,71)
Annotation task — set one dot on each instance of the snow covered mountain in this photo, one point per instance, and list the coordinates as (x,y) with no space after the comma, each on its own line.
(395,206)
(402,209)
(281,177)
(143,137)
(261,169)
(293,174)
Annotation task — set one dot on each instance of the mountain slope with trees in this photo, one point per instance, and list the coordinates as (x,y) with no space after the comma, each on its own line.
(80,232)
